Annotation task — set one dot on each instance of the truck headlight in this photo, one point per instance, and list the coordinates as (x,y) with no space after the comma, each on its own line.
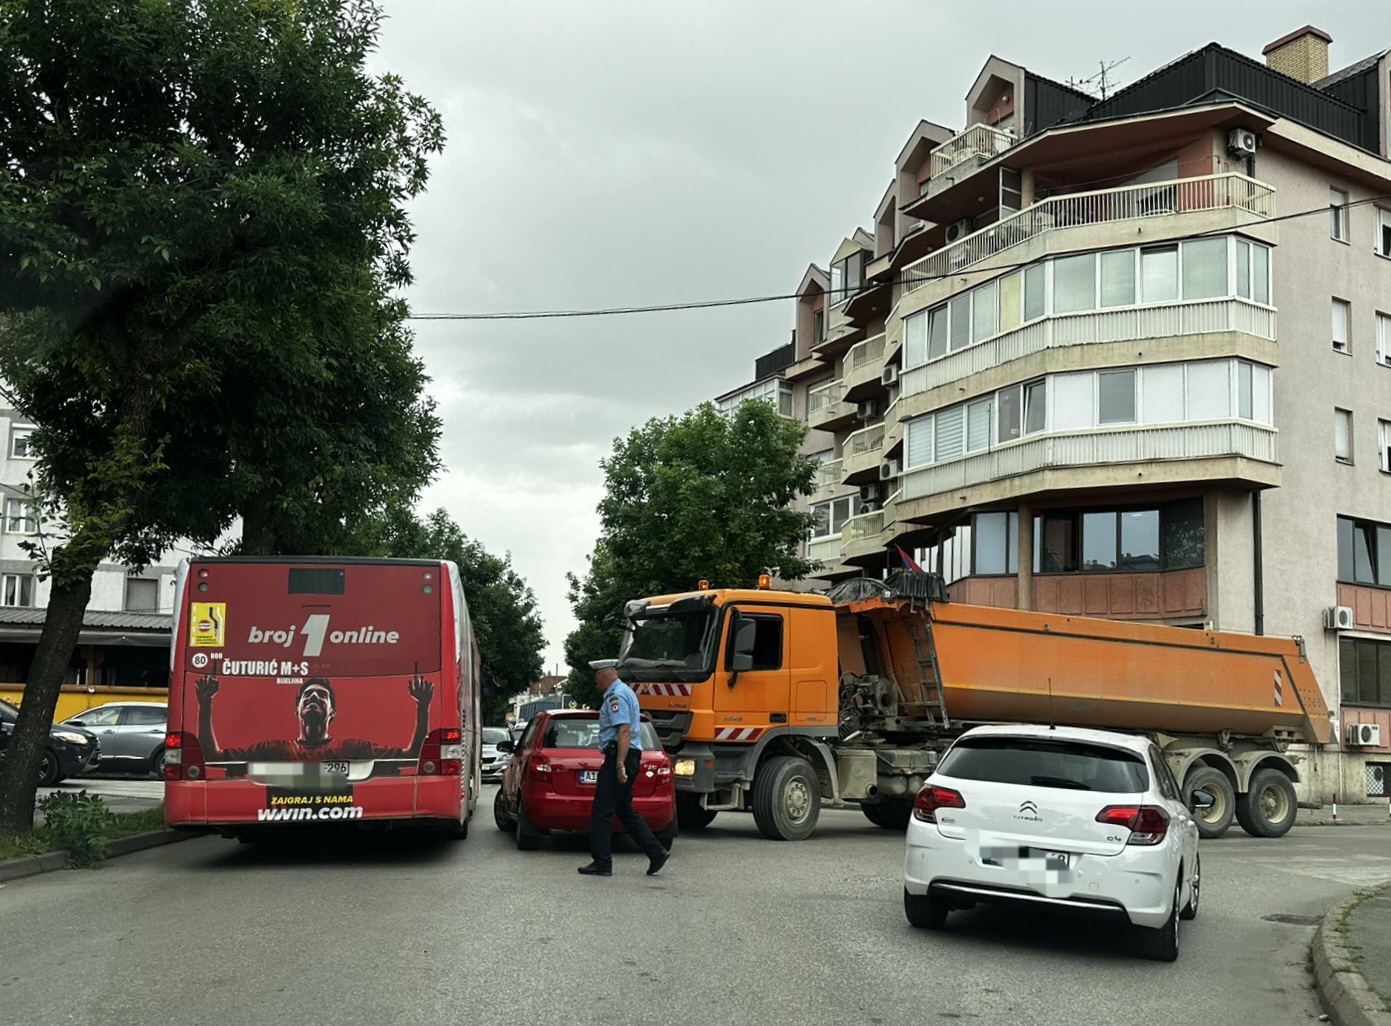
(684,768)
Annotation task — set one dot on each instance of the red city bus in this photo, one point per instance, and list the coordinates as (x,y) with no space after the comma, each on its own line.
(314,691)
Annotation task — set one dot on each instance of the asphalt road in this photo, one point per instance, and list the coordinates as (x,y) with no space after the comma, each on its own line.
(734,930)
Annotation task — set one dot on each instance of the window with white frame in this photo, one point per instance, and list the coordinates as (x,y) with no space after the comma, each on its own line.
(1384,445)
(20,447)
(1197,269)
(142,595)
(1342,325)
(829,517)
(1383,239)
(19,517)
(1342,435)
(1338,214)
(1115,397)
(17,589)
(1384,339)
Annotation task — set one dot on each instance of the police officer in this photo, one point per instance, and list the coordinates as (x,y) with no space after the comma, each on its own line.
(621,741)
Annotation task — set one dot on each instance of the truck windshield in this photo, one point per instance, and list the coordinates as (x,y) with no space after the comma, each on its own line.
(670,638)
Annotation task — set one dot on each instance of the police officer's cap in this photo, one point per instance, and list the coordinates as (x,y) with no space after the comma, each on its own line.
(603,664)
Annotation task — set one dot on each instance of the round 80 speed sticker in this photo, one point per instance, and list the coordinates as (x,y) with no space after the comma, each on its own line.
(200,660)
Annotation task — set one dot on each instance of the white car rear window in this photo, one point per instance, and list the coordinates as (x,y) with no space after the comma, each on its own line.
(1074,765)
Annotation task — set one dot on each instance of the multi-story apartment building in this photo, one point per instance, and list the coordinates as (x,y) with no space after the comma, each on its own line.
(125,634)
(1131,357)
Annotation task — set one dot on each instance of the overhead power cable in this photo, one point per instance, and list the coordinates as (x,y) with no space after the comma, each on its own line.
(708,304)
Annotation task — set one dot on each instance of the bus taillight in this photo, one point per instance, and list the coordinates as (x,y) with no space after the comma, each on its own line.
(183,756)
(442,754)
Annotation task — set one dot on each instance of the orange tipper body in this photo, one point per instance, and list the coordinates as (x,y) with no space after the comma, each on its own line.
(777,702)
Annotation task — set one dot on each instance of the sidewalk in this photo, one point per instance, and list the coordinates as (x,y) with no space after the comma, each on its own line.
(1352,960)
(1375,814)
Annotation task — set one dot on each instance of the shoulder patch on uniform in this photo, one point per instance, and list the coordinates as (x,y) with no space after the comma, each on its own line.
(613,705)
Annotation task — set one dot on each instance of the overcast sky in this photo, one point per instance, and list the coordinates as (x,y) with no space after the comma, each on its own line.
(640,152)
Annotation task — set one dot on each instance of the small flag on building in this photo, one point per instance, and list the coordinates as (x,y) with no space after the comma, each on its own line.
(909,563)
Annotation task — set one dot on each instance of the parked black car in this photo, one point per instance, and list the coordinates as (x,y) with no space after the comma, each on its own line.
(70,751)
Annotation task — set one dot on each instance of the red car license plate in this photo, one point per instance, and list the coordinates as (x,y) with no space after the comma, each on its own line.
(589,776)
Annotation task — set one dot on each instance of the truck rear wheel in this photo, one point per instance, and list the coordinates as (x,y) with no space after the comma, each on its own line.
(786,799)
(1212,822)
(1269,807)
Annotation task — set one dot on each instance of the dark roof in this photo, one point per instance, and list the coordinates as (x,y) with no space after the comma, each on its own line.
(1351,71)
(93,618)
(1215,73)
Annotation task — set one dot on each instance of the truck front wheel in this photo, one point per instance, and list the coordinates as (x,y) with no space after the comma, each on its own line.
(786,799)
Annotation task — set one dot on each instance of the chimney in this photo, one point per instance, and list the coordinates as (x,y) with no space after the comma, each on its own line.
(1303,54)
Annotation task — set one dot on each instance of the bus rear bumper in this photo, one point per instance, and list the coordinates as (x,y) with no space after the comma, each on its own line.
(232,804)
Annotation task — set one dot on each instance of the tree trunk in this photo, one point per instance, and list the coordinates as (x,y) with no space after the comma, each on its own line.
(19,776)
(257,529)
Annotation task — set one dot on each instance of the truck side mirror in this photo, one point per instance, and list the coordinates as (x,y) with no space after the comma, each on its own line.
(742,631)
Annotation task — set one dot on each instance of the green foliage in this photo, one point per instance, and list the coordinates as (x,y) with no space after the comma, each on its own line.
(501,603)
(77,823)
(701,497)
(202,229)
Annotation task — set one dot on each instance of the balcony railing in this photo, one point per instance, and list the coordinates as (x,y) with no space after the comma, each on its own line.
(976,141)
(1180,196)
(1135,444)
(828,475)
(823,396)
(868,353)
(868,439)
(1122,324)
(825,550)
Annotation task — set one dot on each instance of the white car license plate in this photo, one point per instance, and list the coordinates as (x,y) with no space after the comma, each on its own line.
(589,776)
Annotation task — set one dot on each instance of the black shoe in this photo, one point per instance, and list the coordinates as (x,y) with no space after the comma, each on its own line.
(594,869)
(656,862)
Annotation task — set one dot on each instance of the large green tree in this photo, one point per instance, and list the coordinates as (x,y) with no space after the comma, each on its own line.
(501,603)
(699,497)
(201,224)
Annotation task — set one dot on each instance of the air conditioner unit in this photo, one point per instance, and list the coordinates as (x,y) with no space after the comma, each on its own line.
(1337,618)
(1364,735)
(868,507)
(890,374)
(959,230)
(872,492)
(888,470)
(867,408)
(1241,142)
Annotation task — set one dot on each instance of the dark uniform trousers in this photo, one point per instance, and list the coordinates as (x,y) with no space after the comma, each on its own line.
(614,799)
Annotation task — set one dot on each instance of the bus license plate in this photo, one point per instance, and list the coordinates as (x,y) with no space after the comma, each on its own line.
(333,769)
(589,776)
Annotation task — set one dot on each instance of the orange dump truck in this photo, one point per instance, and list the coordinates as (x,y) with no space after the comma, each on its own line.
(781,702)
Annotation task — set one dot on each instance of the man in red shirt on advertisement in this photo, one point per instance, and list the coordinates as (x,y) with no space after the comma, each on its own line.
(315,705)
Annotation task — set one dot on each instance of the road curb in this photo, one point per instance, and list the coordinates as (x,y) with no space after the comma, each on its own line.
(1341,987)
(33,865)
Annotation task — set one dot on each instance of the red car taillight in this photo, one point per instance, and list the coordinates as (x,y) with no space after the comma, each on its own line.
(183,757)
(1147,823)
(442,754)
(539,769)
(931,798)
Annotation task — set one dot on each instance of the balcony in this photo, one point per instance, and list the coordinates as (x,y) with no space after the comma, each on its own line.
(828,481)
(825,550)
(863,536)
(827,409)
(1144,445)
(1102,206)
(864,365)
(1123,324)
(978,141)
(860,455)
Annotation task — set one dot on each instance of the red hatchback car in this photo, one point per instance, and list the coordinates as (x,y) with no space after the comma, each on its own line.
(549,784)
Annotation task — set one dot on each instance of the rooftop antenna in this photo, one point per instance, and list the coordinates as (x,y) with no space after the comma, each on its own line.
(1101,82)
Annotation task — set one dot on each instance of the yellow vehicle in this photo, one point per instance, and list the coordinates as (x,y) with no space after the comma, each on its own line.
(781,702)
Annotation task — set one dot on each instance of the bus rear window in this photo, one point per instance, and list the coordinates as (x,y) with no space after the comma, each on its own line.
(316,581)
